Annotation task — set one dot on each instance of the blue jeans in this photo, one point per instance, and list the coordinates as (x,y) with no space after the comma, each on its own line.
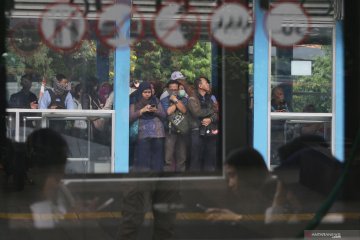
(149,155)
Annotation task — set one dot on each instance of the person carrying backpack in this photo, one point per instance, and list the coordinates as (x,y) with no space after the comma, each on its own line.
(59,97)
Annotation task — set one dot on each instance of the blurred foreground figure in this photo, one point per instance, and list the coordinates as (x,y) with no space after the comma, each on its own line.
(47,153)
(160,197)
(248,179)
(300,188)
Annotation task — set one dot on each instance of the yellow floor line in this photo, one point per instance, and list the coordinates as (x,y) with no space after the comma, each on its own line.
(183,216)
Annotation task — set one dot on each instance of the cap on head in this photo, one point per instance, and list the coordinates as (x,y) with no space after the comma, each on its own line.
(177,75)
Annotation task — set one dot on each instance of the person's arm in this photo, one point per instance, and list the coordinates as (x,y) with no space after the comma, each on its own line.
(45,100)
(215,116)
(33,101)
(109,104)
(12,101)
(221,214)
(160,111)
(181,106)
(134,115)
(176,104)
(69,102)
(165,102)
(171,109)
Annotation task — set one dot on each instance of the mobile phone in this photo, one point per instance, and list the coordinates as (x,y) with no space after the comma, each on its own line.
(202,207)
(105,204)
(152,105)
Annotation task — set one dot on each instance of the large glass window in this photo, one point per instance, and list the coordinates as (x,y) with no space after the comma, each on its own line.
(301,82)
(136,120)
(37,100)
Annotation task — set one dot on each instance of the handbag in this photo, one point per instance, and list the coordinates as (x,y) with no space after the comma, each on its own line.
(179,121)
(134,131)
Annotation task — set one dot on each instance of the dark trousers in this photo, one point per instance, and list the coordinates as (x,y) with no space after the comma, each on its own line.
(175,152)
(149,155)
(161,198)
(203,152)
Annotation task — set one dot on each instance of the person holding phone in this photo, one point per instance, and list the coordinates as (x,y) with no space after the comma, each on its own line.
(149,147)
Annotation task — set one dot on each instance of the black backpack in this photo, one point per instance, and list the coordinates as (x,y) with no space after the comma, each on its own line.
(58,101)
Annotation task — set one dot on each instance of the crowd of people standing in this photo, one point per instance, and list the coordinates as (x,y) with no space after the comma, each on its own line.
(176,126)
(178,131)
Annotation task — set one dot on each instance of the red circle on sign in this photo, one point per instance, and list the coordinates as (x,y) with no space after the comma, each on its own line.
(276,43)
(77,43)
(33,45)
(218,41)
(104,39)
(187,46)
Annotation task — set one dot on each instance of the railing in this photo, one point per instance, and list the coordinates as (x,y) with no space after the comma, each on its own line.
(293,125)
(21,122)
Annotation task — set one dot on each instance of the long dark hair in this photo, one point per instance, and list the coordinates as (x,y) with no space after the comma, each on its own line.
(249,160)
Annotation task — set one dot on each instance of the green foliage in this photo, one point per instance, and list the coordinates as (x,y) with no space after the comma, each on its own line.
(150,61)
(46,62)
(317,88)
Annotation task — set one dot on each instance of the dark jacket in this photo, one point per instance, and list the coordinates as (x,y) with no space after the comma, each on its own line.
(22,99)
(200,108)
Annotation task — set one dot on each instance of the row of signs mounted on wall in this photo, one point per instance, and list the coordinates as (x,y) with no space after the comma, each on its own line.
(63,27)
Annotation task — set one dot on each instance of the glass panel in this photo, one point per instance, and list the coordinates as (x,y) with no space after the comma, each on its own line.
(301,82)
(304,74)
(50,189)
(170,113)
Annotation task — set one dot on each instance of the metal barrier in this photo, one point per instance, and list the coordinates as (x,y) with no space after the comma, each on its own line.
(21,122)
(298,121)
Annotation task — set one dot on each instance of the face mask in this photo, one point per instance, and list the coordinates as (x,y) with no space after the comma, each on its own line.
(181,93)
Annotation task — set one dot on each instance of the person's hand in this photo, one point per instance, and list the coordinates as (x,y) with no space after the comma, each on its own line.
(34,105)
(145,109)
(152,109)
(222,214)
(173,98)
(86,205)
(206,122)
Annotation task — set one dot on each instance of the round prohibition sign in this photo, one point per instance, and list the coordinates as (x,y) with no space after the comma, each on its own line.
(230,25)
(24,38)
(62,26)
(287,23)
(113,26)
(173,30)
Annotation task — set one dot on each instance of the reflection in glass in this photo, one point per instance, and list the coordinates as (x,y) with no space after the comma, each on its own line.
(301,82)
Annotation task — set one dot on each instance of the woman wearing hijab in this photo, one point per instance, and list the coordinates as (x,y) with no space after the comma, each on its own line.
(147,109)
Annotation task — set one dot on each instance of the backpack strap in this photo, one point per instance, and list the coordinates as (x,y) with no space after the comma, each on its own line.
(54,98)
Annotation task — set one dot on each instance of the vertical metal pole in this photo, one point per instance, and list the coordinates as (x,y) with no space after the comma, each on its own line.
(261,77)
